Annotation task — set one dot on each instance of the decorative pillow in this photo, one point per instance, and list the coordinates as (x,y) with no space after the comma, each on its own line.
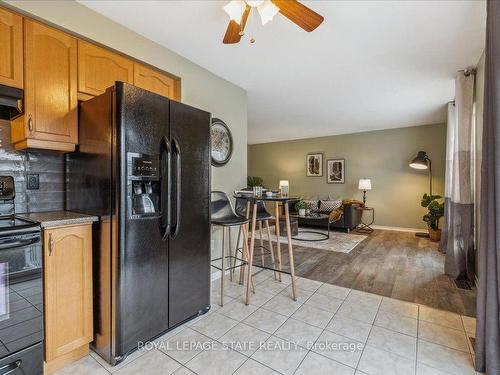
(328,206)
(311,205)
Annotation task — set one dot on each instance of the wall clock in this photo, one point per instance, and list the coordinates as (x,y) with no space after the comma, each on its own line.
(221,143)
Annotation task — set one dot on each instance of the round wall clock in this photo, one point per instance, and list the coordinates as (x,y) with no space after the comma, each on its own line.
(221,142)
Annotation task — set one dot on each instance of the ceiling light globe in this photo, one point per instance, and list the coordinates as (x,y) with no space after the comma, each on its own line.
(267,10)
(254,3)
(234,10)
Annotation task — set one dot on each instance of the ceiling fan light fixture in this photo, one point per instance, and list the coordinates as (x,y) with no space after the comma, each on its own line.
(267,10)
(235,9)
(255,3)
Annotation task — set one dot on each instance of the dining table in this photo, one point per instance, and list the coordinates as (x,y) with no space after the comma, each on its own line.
(278,199)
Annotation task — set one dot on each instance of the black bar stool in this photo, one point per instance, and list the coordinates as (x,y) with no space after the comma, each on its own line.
(224,216)
(263,216)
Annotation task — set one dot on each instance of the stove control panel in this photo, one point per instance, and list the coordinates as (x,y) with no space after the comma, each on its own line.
(7,191)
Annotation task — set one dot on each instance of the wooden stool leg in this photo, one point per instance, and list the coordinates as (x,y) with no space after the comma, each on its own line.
(290,251)
(261,243)
(250,253)
(223,268)
(236,252)
(277,230)
(246,228)
(245,257)
(244,254)
(271,247)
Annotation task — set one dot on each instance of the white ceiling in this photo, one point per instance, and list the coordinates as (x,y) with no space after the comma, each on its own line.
(370,65)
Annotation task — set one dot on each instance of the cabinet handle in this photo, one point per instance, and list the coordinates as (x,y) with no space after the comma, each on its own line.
(30,123)
(51,244)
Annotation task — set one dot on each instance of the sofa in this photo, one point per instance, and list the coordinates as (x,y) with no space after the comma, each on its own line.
(349,220)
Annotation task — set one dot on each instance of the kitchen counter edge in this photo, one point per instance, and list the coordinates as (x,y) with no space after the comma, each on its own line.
(57,218)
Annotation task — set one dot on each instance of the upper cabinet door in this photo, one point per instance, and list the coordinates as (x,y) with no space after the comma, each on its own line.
(98,69)
(156,82)
(50,86)
(11,49)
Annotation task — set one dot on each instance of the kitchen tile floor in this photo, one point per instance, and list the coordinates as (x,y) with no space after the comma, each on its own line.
(329,330)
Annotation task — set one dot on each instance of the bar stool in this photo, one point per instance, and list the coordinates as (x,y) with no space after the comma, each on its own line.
(224,216)
(263,216)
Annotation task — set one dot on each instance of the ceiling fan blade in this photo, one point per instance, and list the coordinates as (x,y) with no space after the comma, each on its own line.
(299,14)
(233,29)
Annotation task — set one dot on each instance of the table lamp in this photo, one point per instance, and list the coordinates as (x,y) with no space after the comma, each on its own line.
(284,187)
(364,184)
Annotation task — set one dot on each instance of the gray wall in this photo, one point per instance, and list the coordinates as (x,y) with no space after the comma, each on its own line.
(381,155)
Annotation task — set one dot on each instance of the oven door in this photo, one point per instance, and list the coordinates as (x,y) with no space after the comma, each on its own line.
(21,302)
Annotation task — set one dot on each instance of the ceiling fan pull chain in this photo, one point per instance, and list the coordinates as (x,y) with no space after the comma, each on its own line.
(252,39)
(243,7)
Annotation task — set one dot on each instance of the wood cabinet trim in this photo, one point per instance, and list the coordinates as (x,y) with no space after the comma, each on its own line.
(45,145)
(56,129)
(12,55)
(88,51)
(143,76)
(53,134)
(28,16)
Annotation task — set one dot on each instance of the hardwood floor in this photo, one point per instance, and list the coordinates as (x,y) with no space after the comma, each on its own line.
(393,264)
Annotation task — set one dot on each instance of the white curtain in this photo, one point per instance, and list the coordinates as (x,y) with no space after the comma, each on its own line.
(458,231)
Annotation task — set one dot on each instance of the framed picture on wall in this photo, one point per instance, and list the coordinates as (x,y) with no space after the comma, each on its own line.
(335,171)
(314,165)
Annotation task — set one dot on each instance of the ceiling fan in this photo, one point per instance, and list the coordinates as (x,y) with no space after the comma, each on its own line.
(239,10)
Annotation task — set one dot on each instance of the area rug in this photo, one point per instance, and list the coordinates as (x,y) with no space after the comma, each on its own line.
(338,241)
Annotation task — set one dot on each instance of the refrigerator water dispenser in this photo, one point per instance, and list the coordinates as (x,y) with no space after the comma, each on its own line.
(144,185)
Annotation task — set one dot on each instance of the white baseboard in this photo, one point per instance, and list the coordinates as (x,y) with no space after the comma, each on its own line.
(398,229)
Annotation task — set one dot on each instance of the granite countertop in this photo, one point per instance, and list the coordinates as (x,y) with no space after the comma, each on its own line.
(57,218)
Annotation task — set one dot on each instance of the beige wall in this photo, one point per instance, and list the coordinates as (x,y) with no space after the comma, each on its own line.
(200,88)
(381,155)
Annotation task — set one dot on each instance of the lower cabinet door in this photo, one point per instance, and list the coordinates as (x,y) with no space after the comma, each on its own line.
(68,289)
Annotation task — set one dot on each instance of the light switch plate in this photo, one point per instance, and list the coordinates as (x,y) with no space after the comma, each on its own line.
(33,181)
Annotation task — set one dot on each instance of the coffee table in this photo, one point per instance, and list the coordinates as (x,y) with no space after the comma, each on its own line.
(321,235)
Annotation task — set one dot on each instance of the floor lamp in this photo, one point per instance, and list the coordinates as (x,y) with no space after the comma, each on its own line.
(422,161)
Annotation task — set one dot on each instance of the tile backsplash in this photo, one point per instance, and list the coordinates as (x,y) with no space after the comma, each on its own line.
(49,165)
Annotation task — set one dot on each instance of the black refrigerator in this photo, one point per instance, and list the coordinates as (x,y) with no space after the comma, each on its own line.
(143,166)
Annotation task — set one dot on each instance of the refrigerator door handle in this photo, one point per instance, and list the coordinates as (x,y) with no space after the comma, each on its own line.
(165,223)
(178,186)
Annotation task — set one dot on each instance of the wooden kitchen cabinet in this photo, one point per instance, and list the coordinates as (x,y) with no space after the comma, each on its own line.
(154,81)
(99,68)
(68,294)
(50,119)
(11,51)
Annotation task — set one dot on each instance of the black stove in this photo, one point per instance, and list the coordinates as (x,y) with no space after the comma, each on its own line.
(11,222)
(21,292)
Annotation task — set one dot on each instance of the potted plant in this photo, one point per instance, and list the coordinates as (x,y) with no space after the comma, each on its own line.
(254,181)
(301,207)
(435,212)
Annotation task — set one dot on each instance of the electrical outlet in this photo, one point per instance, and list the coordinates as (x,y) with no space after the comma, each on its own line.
(33,181)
